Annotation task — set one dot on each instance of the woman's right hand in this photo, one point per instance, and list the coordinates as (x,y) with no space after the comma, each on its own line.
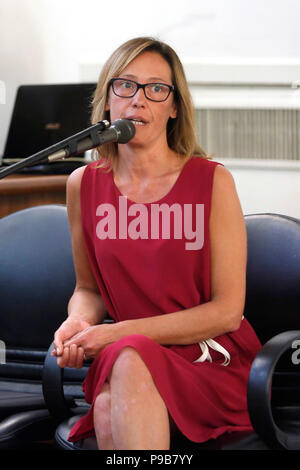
(72,356)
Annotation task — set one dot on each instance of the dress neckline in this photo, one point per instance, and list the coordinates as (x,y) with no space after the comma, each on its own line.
(171,190)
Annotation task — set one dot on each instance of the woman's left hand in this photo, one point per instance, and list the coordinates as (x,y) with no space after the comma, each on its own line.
(92,339)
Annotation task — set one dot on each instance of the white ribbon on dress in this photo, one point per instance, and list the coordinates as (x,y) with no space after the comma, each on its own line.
(205,356)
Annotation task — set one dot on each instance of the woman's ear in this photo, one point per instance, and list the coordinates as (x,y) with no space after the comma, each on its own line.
(173,113)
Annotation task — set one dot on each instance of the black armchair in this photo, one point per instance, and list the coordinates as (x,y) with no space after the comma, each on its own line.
(36,281)
(272,307)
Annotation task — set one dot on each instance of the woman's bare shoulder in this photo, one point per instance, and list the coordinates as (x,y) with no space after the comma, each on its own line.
(222,176)
(73,186)
(225,199)
(224,187)
(74,179)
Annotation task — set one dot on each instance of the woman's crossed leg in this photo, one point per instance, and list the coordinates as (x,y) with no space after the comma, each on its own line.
(129,413)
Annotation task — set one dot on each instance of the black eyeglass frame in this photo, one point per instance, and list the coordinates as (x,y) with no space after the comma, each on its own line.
(143,86)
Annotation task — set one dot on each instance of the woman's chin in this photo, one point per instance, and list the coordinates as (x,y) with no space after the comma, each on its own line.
(137,142)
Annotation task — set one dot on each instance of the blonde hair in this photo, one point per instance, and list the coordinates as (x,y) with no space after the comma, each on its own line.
(181,135)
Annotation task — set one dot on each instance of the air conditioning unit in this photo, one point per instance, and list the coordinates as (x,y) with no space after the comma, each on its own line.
(247,109)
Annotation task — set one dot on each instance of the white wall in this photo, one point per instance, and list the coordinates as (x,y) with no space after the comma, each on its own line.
(45,41)
(266,186)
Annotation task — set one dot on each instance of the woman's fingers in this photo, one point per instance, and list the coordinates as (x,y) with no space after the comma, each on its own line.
(58,344)
(63,359)
(76,339)
(72,356)
(80,357)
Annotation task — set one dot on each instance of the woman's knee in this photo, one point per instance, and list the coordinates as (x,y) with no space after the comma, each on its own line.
(102,418)
(129,366)
(102,406)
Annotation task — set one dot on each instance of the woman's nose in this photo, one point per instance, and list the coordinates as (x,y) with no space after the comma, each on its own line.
(139,98)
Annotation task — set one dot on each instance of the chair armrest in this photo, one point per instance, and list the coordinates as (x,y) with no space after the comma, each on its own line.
(59,407)
(259,392)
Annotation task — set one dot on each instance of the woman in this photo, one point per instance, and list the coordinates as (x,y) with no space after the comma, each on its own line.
(159,242)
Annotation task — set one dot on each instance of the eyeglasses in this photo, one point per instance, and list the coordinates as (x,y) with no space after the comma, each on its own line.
(153,91)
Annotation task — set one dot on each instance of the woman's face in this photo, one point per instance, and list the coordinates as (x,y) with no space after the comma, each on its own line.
(148,67)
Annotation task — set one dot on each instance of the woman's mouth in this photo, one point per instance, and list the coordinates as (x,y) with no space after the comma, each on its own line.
(137,121)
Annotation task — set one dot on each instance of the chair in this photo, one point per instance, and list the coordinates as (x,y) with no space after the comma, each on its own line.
(36,281)
(272,307)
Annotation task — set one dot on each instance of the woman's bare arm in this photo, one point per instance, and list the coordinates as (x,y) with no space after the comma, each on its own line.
(86,306)
(86,301)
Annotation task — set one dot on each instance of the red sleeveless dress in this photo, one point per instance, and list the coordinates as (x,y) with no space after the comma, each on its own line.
(152,259)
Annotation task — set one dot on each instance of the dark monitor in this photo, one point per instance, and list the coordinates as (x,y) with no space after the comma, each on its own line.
(44,115)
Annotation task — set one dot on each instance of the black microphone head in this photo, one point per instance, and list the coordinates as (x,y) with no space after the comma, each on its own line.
(125,130)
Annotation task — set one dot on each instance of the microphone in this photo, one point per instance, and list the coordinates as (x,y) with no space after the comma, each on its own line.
(121,131)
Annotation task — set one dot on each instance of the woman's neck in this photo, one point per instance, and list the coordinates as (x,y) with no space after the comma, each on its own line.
(139,164)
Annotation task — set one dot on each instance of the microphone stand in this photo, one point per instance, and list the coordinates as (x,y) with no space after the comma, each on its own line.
(78,143)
